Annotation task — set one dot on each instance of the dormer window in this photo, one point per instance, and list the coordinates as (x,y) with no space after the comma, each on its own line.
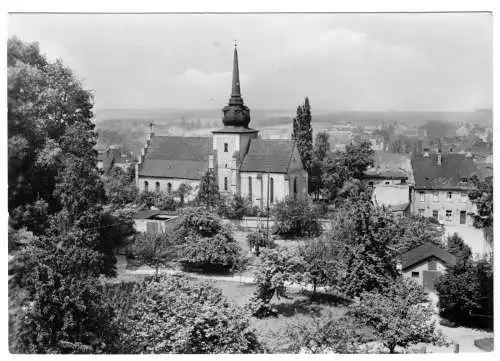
(464,180)
(226,148)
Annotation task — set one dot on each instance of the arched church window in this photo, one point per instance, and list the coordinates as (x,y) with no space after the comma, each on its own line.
(226,148)
(271,190)
(295,187)
(169,187)
(146,184)
(157,187)
(225,183)
(250,188)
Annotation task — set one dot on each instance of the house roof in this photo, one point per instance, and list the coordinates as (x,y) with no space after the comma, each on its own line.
(423,252)
(447,175)
(268,155)
(177,157)
(389,166)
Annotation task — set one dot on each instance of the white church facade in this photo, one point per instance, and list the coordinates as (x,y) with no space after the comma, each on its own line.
(257,169)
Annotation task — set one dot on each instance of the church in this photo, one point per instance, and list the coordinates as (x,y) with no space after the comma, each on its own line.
(257,169)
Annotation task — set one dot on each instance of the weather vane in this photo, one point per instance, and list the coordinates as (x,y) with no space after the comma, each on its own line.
(235,43)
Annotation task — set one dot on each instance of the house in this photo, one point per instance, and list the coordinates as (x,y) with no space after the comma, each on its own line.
(395,198)
(262,170)
(442,185)
(389,169)
(424,264)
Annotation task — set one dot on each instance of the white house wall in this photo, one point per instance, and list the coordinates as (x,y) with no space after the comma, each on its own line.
(440,266)
(176,182)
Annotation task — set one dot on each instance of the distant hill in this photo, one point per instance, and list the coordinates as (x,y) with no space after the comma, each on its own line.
(128,126)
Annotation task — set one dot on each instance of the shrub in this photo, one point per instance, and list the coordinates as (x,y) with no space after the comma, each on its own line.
(296,217)
(324,335)
(457,247)
(196,221)
(485,344)
(178,315)
(320,265)
(159,200)
(220,251)
(259,239)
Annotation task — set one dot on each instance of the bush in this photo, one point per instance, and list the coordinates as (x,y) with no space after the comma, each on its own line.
(485,344)
(219,252)
(296,217)
(159,200)
(259,239)
(447,323)
(324,335)
(196,221)
(178,315)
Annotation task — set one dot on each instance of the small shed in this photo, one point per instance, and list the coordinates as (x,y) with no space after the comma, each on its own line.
(426,263)
(152,221)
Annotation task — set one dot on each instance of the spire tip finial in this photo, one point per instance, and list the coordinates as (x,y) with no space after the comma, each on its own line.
(235,43)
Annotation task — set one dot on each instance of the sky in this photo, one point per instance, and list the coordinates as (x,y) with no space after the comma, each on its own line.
(406,62)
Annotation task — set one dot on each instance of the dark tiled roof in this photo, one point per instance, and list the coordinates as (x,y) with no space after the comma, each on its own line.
(389,166)
(448,175)
(386,173)
(268,155)
(230,129)
(421,253)
(177,157)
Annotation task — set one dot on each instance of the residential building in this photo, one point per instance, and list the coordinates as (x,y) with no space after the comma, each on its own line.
(263,170)
(424,264)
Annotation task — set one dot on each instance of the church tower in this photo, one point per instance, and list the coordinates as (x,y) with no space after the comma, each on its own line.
(232,141)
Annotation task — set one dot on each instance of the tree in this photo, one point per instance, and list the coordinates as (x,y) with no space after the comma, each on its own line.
(321,149)
(208,193)
(296,217)
(457,247)
(152,249)
(49,126)
(120,189)
(482,197)
(302,134)
(399,315)
(219,251)
(198,222)
(466,291)
(319,265)
(414,231)
(276,267)
(362,242)
(179,315)
(183,191)
(341,167)
(259,239)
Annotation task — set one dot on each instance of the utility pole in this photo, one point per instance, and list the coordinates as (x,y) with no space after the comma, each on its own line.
(267,233)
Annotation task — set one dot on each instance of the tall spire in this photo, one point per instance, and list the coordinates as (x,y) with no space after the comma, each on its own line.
(236,114)
(235,92)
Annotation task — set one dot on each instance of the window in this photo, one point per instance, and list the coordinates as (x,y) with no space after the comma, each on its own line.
(250,188)
(295,187)
(403,181)
(226,148)
(169,187)
(271,191)
(448,215)
(225,183)
(225,165)
(464,179)
(435,214)
(415,274)
(435,196)
(449,195)
(387,182)
(422,196)
(463,217)
(146,185)
(464,196)
(157,187)
(421,212)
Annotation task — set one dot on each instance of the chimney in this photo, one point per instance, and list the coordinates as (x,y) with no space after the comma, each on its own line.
(439,158)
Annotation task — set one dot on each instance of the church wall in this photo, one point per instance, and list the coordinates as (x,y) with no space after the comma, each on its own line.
(176,182)
(260,187)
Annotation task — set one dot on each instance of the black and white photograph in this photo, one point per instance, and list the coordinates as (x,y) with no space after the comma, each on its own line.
(249,183)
